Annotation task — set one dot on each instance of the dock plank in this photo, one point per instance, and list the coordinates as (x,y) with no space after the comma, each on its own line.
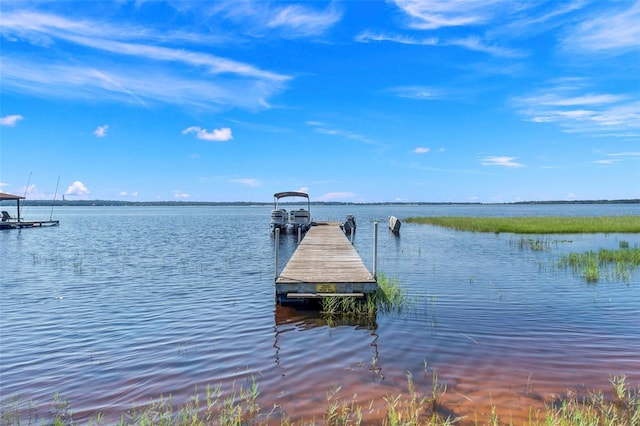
(325,256)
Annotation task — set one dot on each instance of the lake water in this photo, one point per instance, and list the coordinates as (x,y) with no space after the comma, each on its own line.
(120,305)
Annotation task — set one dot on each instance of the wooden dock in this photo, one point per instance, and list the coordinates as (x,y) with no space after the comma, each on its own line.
(14,224)
(324,264)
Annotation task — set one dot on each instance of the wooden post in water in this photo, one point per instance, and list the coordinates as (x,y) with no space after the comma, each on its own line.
(375,249)
(276,237)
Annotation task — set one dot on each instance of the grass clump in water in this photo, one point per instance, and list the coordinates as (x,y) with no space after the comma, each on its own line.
(388,297)
(535,224)
(614,264)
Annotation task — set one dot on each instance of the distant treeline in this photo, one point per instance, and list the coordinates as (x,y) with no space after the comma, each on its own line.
(111,203)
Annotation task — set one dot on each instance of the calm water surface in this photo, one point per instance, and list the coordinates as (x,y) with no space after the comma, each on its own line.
(122,304)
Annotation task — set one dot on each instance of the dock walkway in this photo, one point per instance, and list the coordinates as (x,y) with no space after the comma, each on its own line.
(325,263)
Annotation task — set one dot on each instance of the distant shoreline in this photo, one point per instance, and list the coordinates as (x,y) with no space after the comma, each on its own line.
(114,203)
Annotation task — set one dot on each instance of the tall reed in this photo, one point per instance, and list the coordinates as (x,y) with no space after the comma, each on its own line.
(388,297)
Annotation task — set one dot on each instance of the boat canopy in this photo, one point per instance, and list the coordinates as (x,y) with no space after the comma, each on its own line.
(4,196)
(279,195)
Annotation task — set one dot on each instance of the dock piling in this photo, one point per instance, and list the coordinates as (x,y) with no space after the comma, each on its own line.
(375,249)
(276,238)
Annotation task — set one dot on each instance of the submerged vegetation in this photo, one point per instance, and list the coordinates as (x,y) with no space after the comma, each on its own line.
(620,406)
(535,224)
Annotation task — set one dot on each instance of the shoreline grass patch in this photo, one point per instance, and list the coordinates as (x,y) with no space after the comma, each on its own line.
(619,406)
(535,224)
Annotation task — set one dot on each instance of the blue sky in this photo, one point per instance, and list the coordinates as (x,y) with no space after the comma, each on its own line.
(355,101)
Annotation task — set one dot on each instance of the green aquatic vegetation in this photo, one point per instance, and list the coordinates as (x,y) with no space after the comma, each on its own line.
(388,297)
(620,406)
(616,265)
(536,244)
(535,224)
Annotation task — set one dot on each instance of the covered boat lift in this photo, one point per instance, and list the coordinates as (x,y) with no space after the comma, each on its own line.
(296,219)
(9,222)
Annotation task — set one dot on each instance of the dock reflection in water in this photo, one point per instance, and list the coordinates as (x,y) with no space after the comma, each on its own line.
(316,355)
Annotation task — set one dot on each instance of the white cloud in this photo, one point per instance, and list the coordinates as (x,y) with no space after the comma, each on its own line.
(178,194)
(216,135)
(417,92)
(324,129)
(101,131)
(608,32)
(335,196)
(368,36)
(10,120)
(571,105)
(612,161)
(299,21)
(77,188)
(289,21)
(472,43)
(500,161)
(421,150)
(434,14)
(479,45)
(587,99)
(114,61)
(626,154)
(247,182)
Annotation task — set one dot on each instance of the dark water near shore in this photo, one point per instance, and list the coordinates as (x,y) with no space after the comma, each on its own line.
(122,304)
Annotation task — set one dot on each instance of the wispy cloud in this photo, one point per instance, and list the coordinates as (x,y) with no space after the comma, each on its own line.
(614,31)
(216,135)
(101,131)
(271,19)
(421,150)
(325,129)
(571,105)
(626,154)
(247,182)
(500,161)
(112,62)
(369,36)
(302,21)
(417,92)
(606,162)
(479,45)
(10,120)
(471,43)
(434,14)
(335,196)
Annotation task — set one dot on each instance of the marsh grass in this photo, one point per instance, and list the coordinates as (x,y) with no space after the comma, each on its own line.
(620,406)
(388,297)
(536,224)
(615,265)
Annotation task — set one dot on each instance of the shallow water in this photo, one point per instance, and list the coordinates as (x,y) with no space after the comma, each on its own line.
(120,305)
